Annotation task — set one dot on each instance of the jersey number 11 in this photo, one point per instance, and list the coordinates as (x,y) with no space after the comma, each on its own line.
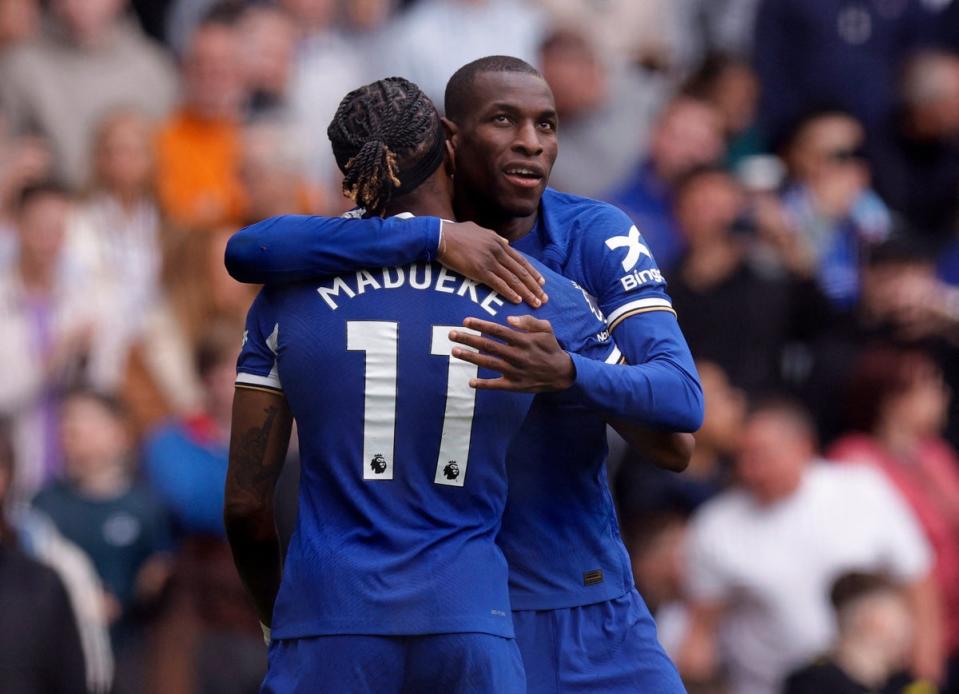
(379,340)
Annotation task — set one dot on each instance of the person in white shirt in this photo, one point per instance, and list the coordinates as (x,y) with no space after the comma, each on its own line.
(762,557)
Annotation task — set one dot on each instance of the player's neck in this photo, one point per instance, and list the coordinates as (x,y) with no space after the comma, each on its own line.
(510,228)
(432,198)
(420,207)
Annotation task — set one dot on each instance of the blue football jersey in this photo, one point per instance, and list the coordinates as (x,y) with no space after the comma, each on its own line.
(403,478)
(560,532)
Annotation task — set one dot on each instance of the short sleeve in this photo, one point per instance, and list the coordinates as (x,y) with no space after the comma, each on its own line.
(622,273)
(578,323)
(257,365)
(906,554)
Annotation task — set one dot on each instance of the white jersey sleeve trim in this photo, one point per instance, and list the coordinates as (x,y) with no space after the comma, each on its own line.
(614,356)
(642,305)
(272,381)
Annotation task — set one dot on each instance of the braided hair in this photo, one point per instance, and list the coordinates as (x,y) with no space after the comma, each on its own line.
(379,130)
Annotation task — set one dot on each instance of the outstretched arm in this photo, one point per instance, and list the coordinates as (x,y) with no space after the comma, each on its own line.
(259,439)
(293,248)
(658,388)
(660,391)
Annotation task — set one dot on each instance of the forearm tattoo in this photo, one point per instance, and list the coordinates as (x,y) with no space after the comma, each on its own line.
(252,475)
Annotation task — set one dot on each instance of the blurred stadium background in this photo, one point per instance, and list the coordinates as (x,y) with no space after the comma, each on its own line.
(793,164)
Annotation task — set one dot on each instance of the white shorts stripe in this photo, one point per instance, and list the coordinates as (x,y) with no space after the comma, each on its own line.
(614,356)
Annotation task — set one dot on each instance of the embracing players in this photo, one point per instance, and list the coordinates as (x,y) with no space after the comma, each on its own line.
(579,622)
(392,581)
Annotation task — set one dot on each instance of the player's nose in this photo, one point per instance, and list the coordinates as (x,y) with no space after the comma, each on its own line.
(527,140)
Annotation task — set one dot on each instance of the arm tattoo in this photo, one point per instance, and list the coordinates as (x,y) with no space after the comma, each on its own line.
(251,475)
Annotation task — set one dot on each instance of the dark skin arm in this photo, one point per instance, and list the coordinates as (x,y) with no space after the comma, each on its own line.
(669,450)
(531,360)
(260,435)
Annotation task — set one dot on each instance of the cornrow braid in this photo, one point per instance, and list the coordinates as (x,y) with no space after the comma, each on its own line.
(377,131)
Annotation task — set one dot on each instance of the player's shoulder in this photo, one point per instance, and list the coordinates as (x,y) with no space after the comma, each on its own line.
(584,215)
(564,294)
(602,244)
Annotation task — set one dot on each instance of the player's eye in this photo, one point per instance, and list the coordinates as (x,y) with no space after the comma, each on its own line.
(547,125)
(501,118)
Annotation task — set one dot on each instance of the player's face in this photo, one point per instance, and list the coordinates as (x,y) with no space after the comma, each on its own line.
(505,149)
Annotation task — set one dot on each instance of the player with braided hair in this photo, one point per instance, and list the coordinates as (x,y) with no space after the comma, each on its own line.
(379,129)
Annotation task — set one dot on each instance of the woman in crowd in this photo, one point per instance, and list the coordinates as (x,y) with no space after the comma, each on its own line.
(898,402)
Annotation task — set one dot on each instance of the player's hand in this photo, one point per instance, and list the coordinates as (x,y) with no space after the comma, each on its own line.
(486,257)
(526,354)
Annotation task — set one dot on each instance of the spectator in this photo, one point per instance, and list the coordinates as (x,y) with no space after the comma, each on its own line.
(917,154)
(34,535)
(24,159)
(730,85)
(327,67)
(901,304)
(269,37)
(687,135)
(605,112)
(830,204)
(116,522)
(762,557)
(56,82)
(52,331)
(897,405)
(41,652)
(733,312)
(645,490)
(198,148)
(367,25)
(655,543)
(114,235)
(427,52)
(198,293)
(19,21)
(210,625)
(185,459)
(724,26)
(637,33)
(833,52)
(873,645)
(271,170)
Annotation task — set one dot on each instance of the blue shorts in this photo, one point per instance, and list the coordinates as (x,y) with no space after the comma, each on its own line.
(348,664)
(607,647)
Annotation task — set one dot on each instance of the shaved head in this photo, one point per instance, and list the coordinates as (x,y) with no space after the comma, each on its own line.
(459,97)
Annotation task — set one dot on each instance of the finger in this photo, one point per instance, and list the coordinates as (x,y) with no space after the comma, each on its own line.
(519,265)
(500,383)
(484,361)
(504,272)
(501,287)
(501,332)
(531,324)
(484,345)
(511,272)
(525,261)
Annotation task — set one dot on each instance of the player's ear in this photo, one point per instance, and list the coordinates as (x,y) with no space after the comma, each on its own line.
(452,132)
(449,160)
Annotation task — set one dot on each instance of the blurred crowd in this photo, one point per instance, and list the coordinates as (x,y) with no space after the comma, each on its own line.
(792,164)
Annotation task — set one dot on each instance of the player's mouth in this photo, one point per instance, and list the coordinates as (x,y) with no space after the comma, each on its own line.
(524,175)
